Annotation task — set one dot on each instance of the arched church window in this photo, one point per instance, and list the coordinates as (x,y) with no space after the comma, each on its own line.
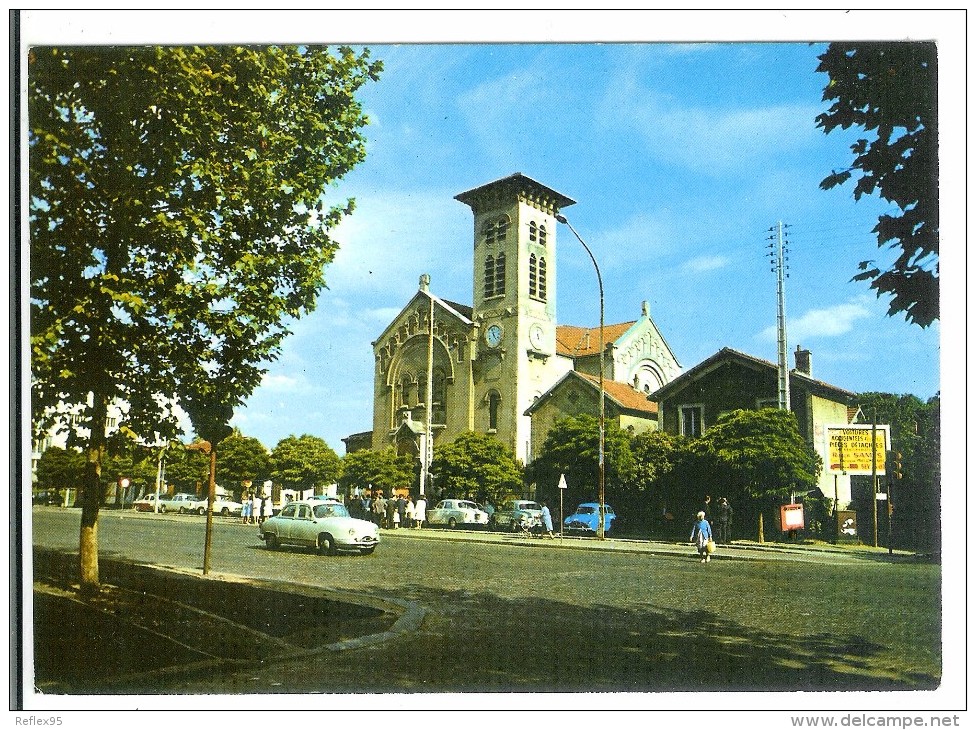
(499,274)
(422,388)
(405,385)
(496,231)
(533,232)
(439,397)
(533,275)
(494,401)
(542,278)
(542,235)
(489,276)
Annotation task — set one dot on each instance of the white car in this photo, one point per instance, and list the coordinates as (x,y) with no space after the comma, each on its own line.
(222,506)
(326,526)
(457,512)
(182,502)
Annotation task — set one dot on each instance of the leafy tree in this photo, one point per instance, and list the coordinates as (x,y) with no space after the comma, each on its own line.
(572,448)
(187,471)
(758,456)
(890,90)
(475,465)
(655,454)
(384,470)
(60,468)
(915,434)
(178,222)
(302,462)
(241,458)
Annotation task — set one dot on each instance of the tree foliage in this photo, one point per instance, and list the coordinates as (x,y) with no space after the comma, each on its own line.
(572,448)
(60,468)
(476,465)
(890,91)
(384,470)
(178,222)
(241,458)
(304,462)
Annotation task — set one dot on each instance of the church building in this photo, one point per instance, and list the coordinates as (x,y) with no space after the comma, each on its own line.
(481,367)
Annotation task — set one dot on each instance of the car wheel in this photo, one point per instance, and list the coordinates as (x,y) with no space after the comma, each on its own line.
(271,541)
(327,545)
(452,523)
(201,510)
(182,510)
(369,550)
(225,511)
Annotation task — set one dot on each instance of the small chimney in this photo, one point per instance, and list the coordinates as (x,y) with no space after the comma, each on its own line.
(803,361)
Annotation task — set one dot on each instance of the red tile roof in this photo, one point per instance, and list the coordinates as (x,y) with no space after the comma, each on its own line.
(624,394)
(579,341)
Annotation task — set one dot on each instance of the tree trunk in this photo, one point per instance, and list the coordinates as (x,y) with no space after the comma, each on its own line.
(761,536)
(91,500)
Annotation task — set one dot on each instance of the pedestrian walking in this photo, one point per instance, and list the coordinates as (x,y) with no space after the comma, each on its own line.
(379,509)
(724,521)
(547,519)
(391,509)
(420,512)
(245,507)
(255,508)
(267,508)
(701,535)
(409,513)
(402,511)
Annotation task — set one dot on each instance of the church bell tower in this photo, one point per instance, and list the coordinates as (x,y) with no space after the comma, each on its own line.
(514,303)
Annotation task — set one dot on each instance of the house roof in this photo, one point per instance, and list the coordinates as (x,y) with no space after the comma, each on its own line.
(621,394)
(572,341)
(727,354)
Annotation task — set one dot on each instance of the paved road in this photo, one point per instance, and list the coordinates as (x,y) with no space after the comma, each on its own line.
(504,616)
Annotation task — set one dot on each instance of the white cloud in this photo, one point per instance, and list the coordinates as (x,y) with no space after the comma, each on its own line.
(816,323)
(701,264)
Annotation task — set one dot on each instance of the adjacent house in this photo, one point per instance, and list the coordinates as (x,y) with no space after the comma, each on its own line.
(732,380)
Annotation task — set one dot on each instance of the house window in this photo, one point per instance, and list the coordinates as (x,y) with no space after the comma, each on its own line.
(494,400)
(691,420)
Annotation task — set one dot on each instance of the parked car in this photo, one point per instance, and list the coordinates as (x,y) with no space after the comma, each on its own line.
(586,519)
(323,525)
(147,503)
(516,511)
(456,512)
(48,497)
(222,506)
(181,502)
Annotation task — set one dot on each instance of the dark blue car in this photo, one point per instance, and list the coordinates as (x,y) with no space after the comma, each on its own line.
(586,519)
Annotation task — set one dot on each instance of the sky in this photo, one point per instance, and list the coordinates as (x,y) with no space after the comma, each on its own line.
(681,157)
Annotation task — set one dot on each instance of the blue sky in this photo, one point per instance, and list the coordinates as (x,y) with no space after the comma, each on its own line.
(681,156)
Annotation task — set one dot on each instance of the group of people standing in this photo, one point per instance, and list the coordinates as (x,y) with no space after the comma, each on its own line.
(701,531)
(394,512)
(256,507)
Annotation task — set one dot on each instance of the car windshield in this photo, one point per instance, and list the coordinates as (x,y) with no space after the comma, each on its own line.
(586,510)
(467,505)
(529,505)
(331,510)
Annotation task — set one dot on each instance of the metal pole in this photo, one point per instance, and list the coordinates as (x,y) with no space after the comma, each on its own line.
(211,491)
(602,478)
(874,475)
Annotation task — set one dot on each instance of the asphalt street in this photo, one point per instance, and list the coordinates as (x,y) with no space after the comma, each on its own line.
(507,615)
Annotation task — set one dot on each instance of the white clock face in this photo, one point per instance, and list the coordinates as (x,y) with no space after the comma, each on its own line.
(493,335)
(535,336)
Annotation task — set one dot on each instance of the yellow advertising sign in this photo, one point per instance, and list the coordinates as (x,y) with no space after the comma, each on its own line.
(849,449)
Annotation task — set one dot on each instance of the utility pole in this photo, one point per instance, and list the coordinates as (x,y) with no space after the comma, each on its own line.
(778,260)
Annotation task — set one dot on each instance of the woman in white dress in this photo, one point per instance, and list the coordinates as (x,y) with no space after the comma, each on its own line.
(420,511)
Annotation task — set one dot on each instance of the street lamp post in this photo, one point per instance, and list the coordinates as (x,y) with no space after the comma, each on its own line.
(600,533)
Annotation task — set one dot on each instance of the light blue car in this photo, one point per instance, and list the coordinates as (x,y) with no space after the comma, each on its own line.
(586,519)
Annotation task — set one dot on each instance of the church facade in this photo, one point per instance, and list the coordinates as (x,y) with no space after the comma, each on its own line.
(481,367)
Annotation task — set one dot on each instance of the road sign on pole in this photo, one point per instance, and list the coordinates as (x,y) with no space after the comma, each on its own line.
(562,488)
